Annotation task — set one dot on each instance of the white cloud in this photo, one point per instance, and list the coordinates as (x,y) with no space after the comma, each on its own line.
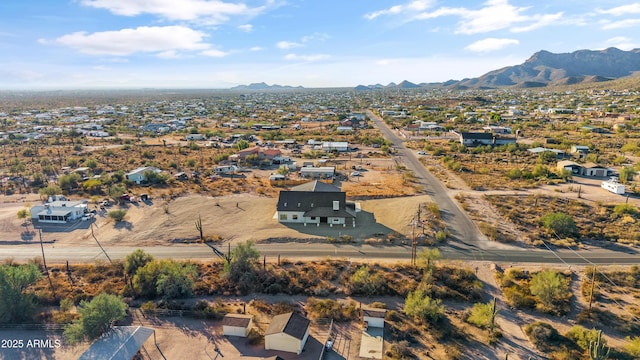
(209,11)
(619,24)
(169,54)
(101,68)
(287,45)
(622,43)
(256,48)
(492,16)
(490,44)
(246,27)
(214,53)
(413,6)
(622,10)
(308,58)
(321,37)
(129,41)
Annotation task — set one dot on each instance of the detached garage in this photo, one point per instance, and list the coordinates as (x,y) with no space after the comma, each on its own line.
(236,325)
(287,332)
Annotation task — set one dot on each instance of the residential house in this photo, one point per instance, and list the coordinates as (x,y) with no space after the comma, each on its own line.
(588,169)
(580,150)
(316,203)
(471,139)
(323,172)
(287,332)
(59,210)
(225,169)
(340,146)
(236,325)
(538,150)
(138,175)
(195,137)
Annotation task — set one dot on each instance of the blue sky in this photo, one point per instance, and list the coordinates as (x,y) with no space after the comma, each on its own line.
(60,44)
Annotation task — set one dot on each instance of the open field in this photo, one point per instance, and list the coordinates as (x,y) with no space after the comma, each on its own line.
(234,218)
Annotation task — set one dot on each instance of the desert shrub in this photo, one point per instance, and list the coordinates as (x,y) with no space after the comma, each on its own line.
(552,289)
(204,309)
(441,236)
(242,266)
(482,315)
(623,209)
(400,351)
(254,337)
(542,335)
(582,337)
(422,307)
(328,308)
(633,346)
(559,223)
(66,304)
(363,282)
(165,278)
(117,215)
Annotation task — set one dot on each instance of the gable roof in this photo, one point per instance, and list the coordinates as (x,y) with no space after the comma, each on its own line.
(374,313)
(477,135)
(143,169)
(316,186)
(236,320)
(308,200)
(290,324)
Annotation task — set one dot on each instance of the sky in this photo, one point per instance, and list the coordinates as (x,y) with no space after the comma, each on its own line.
(80,44)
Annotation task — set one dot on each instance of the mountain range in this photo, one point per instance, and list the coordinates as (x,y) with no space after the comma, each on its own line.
(546,69)
(264,86)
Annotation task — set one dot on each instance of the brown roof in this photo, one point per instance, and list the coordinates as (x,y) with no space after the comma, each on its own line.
(236,320)
(374,313)
(290,324)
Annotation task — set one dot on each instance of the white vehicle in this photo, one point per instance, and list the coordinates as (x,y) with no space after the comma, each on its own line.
(329,345)
(356,173)
(422,152)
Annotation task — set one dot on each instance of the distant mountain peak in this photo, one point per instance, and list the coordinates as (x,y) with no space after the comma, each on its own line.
(545,68)
(264,86)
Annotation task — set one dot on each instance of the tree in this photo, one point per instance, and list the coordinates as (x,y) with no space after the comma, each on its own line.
(427,258)
(626,174)
(549,286)
(50,190)
(165,278)
(23,214)
(15,305)
(242,262)
(363,282)
(136,260)
(483,315)
(582,336)
(559,223)
(95,318)
(241,144)
(117,215)
(422,307)
(70,181)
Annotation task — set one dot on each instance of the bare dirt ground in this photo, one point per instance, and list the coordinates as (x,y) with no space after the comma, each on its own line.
(238,217)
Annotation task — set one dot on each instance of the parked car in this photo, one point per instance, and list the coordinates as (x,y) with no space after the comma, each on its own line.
(422,152)
(356,173)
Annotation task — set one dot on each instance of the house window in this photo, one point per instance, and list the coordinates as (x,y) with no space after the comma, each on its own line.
(294,217)
(283,216)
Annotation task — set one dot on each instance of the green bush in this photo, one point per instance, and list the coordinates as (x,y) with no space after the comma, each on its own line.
(165,278)
(328,308)
(95,318)
(560,224)
(582,337)
(482,315)
(633,347)
(623,209)
(117,215)
(363,282)
(422,307)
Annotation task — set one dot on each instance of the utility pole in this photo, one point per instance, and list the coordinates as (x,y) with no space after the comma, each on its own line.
(44,263)
(593,284)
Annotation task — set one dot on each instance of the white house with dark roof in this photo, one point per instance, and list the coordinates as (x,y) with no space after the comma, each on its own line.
(315,203)
(287,332)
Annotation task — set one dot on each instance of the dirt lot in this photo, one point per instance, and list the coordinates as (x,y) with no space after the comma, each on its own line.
(238,217)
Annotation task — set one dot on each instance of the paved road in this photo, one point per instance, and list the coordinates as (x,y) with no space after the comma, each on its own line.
(462,228)
(84,254)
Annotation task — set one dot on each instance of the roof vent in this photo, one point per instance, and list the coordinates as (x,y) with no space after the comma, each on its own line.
(336,205)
